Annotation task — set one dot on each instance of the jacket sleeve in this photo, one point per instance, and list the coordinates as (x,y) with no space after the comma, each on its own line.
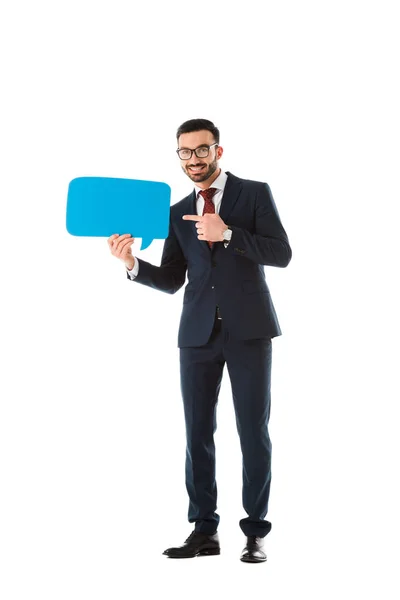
(269,245)
(169,277)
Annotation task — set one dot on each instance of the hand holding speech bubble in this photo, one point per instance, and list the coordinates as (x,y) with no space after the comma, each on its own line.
(101,206)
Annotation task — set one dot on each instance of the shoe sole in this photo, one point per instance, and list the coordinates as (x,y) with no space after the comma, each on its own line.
(209,552)
(205,552)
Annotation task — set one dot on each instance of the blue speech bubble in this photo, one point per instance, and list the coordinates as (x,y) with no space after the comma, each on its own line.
(102,206)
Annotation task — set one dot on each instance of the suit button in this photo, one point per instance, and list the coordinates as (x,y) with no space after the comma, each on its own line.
(212,287)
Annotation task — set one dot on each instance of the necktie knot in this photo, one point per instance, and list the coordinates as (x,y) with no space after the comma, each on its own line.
(208,193)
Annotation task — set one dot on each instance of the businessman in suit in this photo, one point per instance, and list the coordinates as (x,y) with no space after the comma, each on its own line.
(221,235)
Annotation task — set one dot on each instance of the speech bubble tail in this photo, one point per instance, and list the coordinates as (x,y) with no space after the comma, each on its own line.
(145,243)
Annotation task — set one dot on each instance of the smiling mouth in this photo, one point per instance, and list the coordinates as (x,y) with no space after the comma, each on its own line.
(196,169)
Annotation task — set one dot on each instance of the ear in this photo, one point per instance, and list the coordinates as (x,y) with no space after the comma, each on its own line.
(220,152)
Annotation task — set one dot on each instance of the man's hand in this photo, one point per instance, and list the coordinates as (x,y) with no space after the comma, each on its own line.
(210,227)
(120,246)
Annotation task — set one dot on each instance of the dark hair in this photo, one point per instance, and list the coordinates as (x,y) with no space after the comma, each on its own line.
(198,125)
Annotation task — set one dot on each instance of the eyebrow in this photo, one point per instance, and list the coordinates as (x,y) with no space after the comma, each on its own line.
(186,148)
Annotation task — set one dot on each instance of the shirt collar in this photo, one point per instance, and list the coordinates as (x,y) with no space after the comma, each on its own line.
(218,183)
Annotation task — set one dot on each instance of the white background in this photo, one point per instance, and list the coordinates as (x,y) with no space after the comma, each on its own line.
(92,432)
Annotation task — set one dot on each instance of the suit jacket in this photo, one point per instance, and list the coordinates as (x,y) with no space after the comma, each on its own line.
(232,278)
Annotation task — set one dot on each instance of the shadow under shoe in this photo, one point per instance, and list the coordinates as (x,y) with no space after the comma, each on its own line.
(197,544)
(253,552)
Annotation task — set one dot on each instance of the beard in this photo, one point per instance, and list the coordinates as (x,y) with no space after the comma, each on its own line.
(204,175)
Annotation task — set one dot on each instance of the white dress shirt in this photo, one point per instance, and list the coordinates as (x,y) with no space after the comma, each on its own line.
(219,183)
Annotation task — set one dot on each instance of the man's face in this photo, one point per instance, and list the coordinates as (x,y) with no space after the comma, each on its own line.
(199,169)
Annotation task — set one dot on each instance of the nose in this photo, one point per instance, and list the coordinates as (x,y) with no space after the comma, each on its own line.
(195,160)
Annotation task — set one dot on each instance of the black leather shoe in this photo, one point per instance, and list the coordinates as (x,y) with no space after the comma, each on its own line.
(197,544)
(253,552)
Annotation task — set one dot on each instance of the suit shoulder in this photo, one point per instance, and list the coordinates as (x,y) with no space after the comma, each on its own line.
(250,184)
(256,185)
(180,208)
(180,204)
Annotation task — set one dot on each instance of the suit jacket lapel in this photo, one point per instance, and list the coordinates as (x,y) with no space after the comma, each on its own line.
(233,187)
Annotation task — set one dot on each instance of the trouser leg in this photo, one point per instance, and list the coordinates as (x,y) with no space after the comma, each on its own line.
(249,367)
(201,375)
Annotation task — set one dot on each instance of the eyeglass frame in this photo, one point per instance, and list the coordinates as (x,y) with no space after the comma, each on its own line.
(191,151)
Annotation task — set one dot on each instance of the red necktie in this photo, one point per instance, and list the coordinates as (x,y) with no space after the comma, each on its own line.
(209,206)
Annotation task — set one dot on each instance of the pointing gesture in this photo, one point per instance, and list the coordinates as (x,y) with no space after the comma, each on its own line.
(210,227)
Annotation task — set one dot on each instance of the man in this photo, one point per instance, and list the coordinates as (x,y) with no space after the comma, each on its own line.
(222,234)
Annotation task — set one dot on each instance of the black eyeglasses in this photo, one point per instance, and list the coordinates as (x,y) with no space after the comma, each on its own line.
(200,152)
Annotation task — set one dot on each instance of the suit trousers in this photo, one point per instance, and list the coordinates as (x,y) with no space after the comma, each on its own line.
(249,368)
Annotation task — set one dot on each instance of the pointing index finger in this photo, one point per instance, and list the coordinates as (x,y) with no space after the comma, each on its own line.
(192,218)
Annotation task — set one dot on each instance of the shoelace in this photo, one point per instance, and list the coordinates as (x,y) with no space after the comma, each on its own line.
(191,536)
(194,534)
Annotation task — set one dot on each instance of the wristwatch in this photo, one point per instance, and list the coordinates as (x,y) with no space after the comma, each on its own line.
(227,234)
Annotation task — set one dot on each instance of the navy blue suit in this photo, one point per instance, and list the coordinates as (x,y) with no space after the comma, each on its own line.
(233,279)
